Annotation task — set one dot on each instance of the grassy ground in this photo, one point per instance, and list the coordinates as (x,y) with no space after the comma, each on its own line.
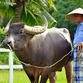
(21,77)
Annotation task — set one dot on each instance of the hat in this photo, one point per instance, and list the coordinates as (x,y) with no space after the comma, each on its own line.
(70,16)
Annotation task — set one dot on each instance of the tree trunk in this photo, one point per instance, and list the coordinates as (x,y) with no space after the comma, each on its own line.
(18,11)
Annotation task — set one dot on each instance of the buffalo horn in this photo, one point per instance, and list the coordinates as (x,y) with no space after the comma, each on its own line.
(7,26)
(36,29)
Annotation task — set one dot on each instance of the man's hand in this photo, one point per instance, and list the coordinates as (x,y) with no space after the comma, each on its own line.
(80,46)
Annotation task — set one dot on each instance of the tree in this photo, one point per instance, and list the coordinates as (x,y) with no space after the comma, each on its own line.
(30,9)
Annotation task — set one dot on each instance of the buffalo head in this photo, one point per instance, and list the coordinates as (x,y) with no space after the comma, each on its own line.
(18,34)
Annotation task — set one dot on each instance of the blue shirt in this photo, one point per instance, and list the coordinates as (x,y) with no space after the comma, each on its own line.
(78,37)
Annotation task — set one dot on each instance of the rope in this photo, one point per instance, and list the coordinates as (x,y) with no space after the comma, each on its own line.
(29,65)
(79,57)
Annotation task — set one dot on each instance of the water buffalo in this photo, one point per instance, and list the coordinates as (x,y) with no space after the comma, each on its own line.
(39,49)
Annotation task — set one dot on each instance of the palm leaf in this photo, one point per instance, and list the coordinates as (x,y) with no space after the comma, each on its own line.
(51,21)
(34,10)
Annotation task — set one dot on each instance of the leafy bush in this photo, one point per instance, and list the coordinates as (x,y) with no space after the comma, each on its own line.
(4,58)
(2,36)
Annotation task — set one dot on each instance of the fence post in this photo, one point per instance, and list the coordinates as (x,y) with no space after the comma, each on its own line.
(11,67)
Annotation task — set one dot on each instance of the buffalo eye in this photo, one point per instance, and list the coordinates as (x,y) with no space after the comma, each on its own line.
(21,32)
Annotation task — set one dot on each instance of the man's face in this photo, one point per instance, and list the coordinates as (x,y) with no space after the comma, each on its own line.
(78,18)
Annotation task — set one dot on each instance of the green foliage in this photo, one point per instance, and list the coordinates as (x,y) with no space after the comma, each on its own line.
(34,11)
(78,3)
(50,2)
(51,21)
(63,8)
(1,30)
(7,9)
(2,36)
(4,58)
(31,12)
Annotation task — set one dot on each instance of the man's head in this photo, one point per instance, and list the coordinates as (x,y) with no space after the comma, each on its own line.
(75,15)
(78,18)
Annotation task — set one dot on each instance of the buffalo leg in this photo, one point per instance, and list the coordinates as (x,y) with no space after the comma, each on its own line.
(68,70)
(52,77)
(44,79)
(36,75)
(44,75)
(31,77)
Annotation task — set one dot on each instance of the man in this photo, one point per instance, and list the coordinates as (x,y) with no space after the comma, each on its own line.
(77,16)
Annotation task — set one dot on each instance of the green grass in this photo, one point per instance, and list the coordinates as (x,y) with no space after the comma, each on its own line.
(21,77)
